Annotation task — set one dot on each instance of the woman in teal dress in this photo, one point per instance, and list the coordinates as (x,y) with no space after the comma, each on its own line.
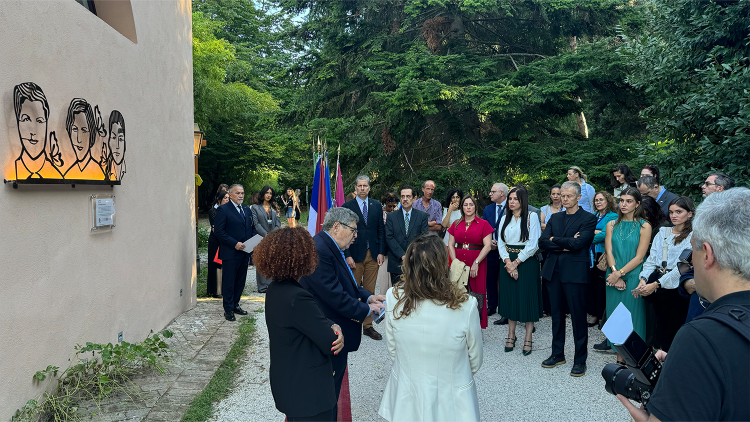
(626,244)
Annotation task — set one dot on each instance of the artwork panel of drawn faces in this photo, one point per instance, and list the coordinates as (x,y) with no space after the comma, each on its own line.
(117,137)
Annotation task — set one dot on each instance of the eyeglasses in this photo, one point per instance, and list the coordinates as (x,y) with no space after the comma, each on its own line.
(707,183)
(350,228)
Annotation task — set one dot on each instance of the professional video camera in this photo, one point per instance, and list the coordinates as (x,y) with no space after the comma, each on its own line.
(637,380)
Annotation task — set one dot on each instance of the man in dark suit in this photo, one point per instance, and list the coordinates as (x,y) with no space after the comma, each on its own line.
(367,253)
(567,239)
(233,225)
(648,185)
(401,227)
(333,286)
(492,214)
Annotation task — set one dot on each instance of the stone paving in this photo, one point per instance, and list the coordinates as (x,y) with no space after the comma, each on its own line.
(202,338)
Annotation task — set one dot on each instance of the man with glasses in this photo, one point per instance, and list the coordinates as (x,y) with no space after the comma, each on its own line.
(367,253)
(334,288)
(716,182)
(401,227)
(233,225)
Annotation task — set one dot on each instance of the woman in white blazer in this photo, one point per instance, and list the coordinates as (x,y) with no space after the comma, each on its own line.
(433,335)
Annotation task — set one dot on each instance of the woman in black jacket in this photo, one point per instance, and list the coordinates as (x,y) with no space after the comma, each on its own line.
(301,339)
(213,246)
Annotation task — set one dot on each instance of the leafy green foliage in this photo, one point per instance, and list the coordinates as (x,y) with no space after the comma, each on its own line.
(694,64)
(466,92)
(99,375)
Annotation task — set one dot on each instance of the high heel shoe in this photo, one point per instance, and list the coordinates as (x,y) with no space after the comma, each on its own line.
(512,341)
(527,352)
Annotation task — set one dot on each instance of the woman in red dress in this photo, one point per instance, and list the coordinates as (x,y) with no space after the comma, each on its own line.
(470,242)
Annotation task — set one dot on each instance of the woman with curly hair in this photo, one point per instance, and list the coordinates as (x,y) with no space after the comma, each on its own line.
(301,339)
(432,378)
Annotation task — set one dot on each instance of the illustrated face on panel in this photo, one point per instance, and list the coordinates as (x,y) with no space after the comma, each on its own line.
(32,114)
(82,127)
(116,160)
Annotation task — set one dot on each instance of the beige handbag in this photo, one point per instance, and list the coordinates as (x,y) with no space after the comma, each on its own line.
(459,273)
(601,265)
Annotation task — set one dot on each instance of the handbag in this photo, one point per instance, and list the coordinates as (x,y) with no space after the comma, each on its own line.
(478,296)
(601,264)
(216,258)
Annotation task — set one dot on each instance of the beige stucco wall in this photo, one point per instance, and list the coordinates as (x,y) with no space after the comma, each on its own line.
(60,284)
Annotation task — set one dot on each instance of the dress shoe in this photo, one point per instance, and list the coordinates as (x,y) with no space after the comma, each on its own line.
(579,370)
(491,312)
(530,345)
(512,342)
(553,361)
(217,296)
(501,321)
(603,346)
(240,311)
(229,316)
(370,332)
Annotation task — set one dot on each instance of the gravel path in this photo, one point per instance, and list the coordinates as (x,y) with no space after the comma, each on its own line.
(511,387)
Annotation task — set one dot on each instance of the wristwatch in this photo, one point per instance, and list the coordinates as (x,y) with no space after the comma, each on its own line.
(476,262)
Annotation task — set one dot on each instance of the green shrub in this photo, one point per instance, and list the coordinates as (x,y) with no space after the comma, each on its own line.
(101,374)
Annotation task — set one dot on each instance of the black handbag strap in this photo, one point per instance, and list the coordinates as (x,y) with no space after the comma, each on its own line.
(736,317)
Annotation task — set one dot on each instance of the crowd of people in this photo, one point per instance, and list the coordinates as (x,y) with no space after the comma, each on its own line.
(583,254)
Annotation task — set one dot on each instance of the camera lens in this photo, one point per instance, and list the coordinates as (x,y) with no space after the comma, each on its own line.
(619,380)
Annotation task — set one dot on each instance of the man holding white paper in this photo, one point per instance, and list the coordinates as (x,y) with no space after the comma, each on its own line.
(233,226)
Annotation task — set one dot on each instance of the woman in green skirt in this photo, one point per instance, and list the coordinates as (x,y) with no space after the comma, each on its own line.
(626,244)
(521,294)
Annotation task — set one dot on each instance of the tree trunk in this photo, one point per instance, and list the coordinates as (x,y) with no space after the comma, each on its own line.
(580,118)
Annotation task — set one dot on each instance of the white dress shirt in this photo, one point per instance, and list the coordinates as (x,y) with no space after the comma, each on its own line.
(671,279)
(513,237)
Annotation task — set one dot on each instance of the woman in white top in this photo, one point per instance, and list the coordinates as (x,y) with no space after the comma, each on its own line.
(517,243)
(554,206)
(453,212)
(433,336)
(620,177)
(660,276)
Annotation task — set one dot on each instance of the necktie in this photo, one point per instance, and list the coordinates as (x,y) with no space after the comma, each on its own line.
(406,223)
(242,212)
(364,212)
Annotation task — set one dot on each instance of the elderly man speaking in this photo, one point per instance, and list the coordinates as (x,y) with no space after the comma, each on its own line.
(333,286)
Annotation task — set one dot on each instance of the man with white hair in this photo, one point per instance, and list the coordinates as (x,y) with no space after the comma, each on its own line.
(706,375)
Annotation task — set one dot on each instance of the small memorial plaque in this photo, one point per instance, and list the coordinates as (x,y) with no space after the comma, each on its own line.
(102,212)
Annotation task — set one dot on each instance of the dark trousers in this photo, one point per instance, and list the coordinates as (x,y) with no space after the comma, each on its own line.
(596,296)
(670,308)
(493,272)
(326,416)
(212,268)
(339,366)
(395,278)
(233,276)
(575,296)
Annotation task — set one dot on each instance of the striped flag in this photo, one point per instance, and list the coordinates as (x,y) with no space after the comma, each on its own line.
(340,199)
(320,201)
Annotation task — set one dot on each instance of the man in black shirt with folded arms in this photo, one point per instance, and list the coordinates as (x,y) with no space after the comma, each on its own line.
(705,377)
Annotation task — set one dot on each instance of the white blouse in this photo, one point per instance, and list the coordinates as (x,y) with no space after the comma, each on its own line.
(513,237)
(455,215)
(671,279)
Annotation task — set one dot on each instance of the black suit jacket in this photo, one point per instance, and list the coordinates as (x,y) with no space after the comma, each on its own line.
(664,201)
(396,238)
(300,341)
(230,228)
(333,287)
(574,263)
(374,231)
